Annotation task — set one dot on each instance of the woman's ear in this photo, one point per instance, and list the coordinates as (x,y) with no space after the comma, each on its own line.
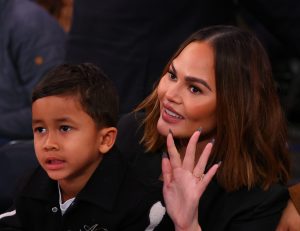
(107,138)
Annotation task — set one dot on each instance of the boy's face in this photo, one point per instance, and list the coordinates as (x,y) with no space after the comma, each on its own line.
(66,139)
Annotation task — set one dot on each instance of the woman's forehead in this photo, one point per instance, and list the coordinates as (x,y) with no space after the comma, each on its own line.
(197,60)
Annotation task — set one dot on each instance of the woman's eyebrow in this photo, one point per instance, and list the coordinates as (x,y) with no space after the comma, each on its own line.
(192,79)
(173,68)
(197,80)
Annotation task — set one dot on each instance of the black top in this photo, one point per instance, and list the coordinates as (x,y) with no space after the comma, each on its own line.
(242,210)
(111,200)
(128,197)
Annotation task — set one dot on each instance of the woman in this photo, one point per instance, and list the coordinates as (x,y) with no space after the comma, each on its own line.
(218,82)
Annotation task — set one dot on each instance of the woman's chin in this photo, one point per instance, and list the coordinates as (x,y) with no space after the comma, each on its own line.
(163,128)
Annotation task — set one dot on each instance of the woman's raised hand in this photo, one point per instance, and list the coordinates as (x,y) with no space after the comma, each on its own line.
(184,182)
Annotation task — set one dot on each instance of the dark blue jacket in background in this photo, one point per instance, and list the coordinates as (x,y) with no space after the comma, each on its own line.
(31,42)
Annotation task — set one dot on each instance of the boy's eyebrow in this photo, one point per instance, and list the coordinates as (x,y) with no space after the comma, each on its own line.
(36,121)
(192,79)
(63,119)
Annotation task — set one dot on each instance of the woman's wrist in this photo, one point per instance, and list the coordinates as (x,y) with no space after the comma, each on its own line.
(193,227)
(197,228)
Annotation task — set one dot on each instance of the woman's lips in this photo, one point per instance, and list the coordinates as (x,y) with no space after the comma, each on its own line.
(170,116)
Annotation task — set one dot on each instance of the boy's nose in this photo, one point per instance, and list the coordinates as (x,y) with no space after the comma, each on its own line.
(51,143)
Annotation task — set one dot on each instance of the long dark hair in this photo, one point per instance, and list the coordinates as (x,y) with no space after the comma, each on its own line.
(251,137)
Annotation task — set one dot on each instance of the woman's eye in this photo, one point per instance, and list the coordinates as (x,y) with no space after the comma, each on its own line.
(40,129)
(65,128)
(172,76)
(195,90)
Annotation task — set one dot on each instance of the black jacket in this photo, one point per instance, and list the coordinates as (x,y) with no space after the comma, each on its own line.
(111,200)
(242,210)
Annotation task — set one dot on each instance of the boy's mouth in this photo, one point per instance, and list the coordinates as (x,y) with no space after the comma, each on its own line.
(54,163)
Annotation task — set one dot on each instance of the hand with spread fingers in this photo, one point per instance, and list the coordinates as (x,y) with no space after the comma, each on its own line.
(184,182)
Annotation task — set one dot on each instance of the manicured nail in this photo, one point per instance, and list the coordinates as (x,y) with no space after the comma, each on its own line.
(199,129)
(219,163)
(165,155)
(212,140)
(170,131)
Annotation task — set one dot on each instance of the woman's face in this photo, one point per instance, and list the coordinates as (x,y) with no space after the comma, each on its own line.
(187,93)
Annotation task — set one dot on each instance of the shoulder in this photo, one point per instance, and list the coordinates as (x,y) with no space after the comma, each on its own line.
(37,185)
(254,209)
(20,10)
(146,165)
(130,122)
(26,206)
(130,133)
(261,201)
(29,20)
(260,208)
(136,199)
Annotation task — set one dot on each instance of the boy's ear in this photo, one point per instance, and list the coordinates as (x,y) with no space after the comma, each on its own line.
(107,138)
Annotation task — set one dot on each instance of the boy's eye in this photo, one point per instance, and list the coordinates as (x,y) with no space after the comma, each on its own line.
(195,90)
(65,128)
(40,129)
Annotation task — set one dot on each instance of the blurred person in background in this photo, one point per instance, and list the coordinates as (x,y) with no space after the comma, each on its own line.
(132,40)
(61,10)
(31,42)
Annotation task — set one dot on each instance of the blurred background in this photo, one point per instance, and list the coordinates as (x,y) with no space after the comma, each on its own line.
(132,41)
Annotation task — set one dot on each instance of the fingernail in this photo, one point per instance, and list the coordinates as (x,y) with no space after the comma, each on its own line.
(219,163)
(199,129)
(170,131)
(212,140)
(165,155)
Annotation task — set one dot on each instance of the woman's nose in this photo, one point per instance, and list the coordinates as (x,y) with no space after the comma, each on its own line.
(173,93)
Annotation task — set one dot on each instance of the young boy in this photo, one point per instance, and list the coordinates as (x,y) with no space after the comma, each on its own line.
(82,182)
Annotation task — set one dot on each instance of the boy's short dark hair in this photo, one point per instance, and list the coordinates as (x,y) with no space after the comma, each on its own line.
(95,91)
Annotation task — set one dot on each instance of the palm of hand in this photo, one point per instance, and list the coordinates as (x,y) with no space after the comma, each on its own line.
(184,184)
(184,188)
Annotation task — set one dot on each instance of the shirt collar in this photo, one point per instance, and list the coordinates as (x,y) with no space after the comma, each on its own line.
(104,185)
(102,188)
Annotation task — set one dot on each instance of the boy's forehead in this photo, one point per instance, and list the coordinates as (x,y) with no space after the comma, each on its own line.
(60,106)
(59,100)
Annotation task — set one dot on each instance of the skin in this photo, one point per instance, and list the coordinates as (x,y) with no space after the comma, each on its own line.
(182,187)
(187,96)
(187,93)
(186,106)
(68,144)
(290,219)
